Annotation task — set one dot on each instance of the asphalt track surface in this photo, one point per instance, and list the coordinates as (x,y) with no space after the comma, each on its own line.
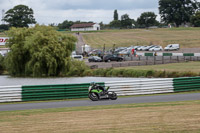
(79,103)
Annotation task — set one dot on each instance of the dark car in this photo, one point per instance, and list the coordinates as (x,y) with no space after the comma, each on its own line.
(94,59)
(108,58)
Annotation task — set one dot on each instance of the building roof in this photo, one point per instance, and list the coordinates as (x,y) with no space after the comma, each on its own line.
(84,25)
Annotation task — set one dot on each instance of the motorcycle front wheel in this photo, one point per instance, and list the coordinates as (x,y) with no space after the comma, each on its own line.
(93,96)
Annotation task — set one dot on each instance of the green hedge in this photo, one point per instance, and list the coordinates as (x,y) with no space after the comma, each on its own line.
(110,72)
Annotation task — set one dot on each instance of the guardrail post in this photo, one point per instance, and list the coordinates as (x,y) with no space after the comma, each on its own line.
(162,59)
(170,59)
(177,59)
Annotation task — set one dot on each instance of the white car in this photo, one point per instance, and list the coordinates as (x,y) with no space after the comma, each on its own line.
(141,48)
(77,57)
(148,47)
(126,51)
(137,47)
(156,48)
(172,47)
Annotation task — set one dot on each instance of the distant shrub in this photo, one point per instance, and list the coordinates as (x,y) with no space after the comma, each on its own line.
(88,72)
(78,68)
(98,72)
(140,73)
(117,72)
(150,73)
(189,74)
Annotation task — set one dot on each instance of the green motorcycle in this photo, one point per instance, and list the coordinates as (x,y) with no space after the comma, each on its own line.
(97,92)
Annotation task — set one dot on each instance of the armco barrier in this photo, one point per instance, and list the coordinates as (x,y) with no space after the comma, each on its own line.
(69,91)
(186,84)
(143,86)
(52,92)
(10,93)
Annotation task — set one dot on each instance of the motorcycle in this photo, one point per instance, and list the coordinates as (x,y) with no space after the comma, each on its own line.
(97,92)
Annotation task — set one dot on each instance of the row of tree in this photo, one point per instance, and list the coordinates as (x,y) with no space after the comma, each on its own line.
(176,12)
(146,19)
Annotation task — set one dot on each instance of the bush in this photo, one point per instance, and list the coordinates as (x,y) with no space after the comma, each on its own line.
(150,73)
(88,72)
(140,73)
(78,68)
(117,72)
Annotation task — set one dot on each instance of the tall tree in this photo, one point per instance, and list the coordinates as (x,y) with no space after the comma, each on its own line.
(195,19)
(115,15)
(126,22)
(65,24)
(4,27)
(115,24)
(177,11)
(19,16)
(38,51)
(147,19)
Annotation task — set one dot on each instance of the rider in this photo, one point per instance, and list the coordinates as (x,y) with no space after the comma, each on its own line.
(93,85)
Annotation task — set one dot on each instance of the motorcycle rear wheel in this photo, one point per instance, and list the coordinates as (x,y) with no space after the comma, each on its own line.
(93,96)
(113,96)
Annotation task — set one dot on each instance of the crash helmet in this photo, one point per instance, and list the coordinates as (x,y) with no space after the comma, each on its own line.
(92,83)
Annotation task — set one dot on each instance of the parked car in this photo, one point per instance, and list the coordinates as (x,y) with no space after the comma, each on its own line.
(148,47)
(77,57)
(108,58)
(137,47)
(156,48)
(117,50)
(141,48)
(126,51)
(95,52)
(172,47)
(94,59)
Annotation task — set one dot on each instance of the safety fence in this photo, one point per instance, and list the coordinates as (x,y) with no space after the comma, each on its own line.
(154,86)
(152,60)
(122,88)
(167,54)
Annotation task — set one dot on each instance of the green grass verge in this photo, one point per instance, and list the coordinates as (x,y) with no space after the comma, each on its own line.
(178,67)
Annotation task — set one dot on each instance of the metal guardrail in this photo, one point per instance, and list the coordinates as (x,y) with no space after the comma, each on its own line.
(10,93)
(122,88)
(186,84)
(143,86)
(54,92)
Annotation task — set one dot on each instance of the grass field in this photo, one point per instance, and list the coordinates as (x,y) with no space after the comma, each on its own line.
(150,117)
(186,37)
(173,67)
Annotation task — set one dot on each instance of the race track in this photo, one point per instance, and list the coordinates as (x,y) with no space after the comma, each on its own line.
(125,100)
